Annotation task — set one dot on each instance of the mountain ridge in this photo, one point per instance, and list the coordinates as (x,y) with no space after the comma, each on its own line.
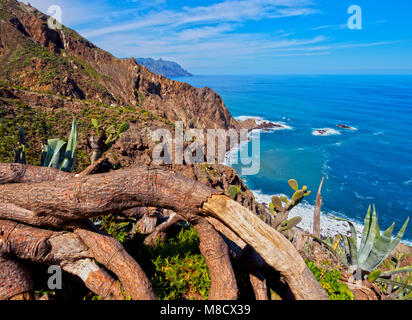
(165,68)
(62,62)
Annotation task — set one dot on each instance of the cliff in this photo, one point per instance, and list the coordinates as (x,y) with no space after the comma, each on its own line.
(48,77)
(62,62)
(165,68)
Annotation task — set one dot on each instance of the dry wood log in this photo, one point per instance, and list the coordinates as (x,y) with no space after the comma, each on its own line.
(56,203)
(57,248)
(259,285)
(275,249)
(15,278)
(19,173)
(109,252)
(159,234)
(215,251)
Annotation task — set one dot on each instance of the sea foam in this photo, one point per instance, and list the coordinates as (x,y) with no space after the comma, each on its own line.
(325,132)
(259,120)
(329,226)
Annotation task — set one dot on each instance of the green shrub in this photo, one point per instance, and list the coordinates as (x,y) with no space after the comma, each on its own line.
(329,280)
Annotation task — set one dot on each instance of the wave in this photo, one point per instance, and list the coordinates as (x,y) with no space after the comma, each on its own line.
(329,226)
(325,132)
(259,120)
(252,134)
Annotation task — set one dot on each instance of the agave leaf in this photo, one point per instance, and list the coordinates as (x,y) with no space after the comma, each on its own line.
(323,242)
(54,152)
(395,283)
(380,251)
(337,241)
(396,271)
(22,137)
(368,235)
(353,235)
(293,184)
(399,236)
(69,158)
(353,252)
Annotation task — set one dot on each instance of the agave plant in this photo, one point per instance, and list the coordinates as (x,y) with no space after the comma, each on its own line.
(60,154)
(374,247)
(20,151)
(396,280)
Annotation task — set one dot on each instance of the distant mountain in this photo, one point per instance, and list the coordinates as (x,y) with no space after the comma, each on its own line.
(165,68)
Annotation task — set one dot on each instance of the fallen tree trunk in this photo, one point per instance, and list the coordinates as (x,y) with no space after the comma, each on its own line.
(63,249)
(109,252)
(56,204)
(214,250)
(15,278)
(275,249)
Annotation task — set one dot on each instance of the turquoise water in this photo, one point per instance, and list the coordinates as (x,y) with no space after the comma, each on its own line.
(370,165)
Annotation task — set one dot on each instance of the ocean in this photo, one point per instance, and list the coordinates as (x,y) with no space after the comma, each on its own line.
(370,165)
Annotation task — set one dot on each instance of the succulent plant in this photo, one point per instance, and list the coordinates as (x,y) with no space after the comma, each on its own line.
(281,206)
(276,206)
(110,135)
(20,152)
(289,224)
(105,138)
(374,247)
(59,154)
(233,191)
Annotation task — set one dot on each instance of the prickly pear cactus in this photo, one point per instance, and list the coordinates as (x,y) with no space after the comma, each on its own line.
(282,205)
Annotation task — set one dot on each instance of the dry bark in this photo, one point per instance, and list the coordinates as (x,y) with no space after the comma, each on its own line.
(159,233)
(316,216)
(109,252)
(15,278)
(57,204)
(57,248)
(19,173)
(215,251)
(275,249)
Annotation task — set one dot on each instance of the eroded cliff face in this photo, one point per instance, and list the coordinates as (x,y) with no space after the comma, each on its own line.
(62,62)
(48,77)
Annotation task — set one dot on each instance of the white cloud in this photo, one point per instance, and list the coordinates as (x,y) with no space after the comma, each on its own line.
(222,12)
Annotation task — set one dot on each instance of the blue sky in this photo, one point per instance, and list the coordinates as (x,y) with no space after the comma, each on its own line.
(250,36)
